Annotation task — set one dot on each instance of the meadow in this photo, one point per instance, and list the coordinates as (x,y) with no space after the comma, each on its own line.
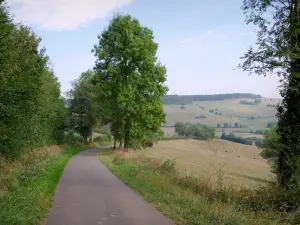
(238,165)
(191,183)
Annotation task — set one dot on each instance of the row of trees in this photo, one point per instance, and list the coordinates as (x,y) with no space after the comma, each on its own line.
(124,88)
(259,142)
(255,102)
(229,125)
(233,138)
(196,131)
(188,99)
(32,112)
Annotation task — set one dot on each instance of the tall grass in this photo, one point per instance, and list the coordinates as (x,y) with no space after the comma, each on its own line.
(192,200)
(27,185)
(175,137)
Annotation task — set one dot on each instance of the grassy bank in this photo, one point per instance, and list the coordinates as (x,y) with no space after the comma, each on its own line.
(27,185)
(189,200)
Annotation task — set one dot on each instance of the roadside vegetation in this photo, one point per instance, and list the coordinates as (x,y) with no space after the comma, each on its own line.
(28,185)
(38,132)
(188,199)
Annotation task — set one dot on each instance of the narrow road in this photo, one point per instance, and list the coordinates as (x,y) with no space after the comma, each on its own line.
(89,194)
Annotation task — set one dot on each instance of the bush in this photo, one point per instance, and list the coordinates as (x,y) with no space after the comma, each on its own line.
(233,138)
(196,131)
(71,137)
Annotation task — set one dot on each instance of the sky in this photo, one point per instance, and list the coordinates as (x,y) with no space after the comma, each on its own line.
(200,41)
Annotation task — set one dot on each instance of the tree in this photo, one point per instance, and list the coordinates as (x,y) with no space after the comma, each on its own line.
(131,79)
(83,107)
(179,128)
(32,113)
(272,147)
(278,52)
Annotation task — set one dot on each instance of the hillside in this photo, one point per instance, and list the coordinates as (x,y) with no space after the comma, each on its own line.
(231,111)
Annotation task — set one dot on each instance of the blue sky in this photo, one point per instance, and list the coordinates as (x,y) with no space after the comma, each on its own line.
(200,41)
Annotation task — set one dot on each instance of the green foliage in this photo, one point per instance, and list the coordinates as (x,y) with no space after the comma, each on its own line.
(29,201)
(196,131)
(188,99)
(130,80)
(278,52)
(84,109)
(233,138)
(272,147)
(32,113)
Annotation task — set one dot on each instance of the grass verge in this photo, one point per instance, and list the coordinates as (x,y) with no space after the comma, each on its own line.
(187,200)
(27,188)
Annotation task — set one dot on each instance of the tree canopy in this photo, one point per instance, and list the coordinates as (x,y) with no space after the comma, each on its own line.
(84,107)
(277,51)
(130,80)
(32,113)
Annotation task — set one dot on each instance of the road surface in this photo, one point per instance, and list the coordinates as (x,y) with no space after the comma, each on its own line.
(89,194)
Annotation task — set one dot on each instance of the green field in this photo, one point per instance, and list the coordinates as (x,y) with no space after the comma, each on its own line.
(232,112)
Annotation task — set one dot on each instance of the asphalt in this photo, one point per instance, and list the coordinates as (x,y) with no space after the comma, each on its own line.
(89,194)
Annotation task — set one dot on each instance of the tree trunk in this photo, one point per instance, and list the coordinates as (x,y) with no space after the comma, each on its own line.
(121,143)
(115,142)
(92,135)
(289,113)
(85,140)
(127,135)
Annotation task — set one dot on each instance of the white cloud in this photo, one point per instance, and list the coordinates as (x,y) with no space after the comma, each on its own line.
(63,14)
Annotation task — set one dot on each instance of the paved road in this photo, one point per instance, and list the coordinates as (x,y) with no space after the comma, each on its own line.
(89,194)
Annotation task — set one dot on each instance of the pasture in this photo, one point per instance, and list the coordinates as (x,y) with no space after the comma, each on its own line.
(216,160)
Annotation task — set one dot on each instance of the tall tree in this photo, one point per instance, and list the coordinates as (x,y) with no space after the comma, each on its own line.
(84,108)
(131,78)
(278,51)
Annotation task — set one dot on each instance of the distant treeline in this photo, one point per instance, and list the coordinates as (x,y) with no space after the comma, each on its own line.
(187,99)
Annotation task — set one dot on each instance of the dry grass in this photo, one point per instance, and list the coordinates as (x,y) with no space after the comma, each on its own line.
(239,165)
(191,200)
